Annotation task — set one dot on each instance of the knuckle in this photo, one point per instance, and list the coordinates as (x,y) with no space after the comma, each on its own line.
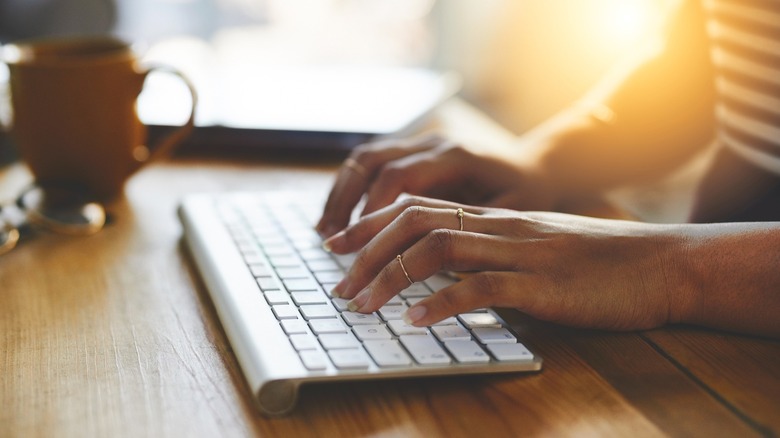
(414,216)
(411,202)
(391,172)
(441,241)
(366,154)
(518,224)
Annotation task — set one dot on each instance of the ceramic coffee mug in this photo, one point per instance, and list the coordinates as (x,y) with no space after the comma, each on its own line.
(74,117)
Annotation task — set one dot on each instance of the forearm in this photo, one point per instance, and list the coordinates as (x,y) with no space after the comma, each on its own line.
(734,273)
(662,108)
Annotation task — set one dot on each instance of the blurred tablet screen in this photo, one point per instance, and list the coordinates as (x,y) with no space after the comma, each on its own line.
(297,107)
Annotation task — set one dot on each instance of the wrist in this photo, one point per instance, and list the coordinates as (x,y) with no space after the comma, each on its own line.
(682,279)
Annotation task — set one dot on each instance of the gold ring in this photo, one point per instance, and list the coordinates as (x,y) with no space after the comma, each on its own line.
(403,268)
(358,168)
(459,213)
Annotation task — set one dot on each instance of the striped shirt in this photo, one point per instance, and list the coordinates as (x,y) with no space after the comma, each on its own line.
(745,38)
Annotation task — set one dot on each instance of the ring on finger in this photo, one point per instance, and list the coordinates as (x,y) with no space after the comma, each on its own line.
(403,268)
(353,165)
(460,215)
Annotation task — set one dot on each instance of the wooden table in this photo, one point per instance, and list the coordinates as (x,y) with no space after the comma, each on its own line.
(115,335)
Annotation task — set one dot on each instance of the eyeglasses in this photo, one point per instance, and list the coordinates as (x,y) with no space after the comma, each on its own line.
(60,210)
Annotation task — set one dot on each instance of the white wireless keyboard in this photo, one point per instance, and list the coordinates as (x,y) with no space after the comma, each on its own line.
(269,279)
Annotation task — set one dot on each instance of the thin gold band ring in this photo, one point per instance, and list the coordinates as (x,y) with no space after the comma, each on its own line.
(403,268)
(353,165)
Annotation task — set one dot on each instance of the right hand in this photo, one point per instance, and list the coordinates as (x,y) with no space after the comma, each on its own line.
(435,167)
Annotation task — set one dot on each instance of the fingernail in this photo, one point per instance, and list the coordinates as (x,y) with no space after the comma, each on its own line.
(329,230)
(327,244)
(359,301)
(414,314)
(341,287)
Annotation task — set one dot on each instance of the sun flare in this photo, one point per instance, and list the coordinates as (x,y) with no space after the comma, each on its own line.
(629,19)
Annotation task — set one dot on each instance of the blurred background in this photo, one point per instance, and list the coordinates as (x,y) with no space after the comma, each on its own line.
(521,60)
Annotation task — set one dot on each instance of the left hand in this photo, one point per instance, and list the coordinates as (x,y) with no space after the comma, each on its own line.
(567,269)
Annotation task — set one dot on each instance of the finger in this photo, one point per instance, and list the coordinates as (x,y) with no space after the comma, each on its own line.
(417,174)
(357,235)
(439,249)
(354,178)
(411,225)
(342,199)
(486,289)
(415,216)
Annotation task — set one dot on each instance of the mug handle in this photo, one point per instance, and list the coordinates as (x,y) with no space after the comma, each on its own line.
(165,145)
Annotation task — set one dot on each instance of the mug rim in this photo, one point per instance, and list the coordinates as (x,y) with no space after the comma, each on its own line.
(59,51)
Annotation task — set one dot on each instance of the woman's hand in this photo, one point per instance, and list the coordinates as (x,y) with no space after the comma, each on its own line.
(436,167)
(568,269)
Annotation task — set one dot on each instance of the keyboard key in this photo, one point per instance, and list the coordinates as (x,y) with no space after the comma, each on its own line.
(301,284)
(272,240)
(304,342)
(438,282)
(278,250)
(246,247)
(417,290)
(323,265)
(391,312)
(340,304)
(345,260)
(510,352)
(451,333)
(448,321)
(315,311)
(399,327)
(285,311)
(494,335)
(291,273)
(314,360)
(302,298)
(260,270)
(395,300)
(387,353)
(371,332)
(275,297)
(349,358)
(285,261)
(327,325)
(425,350)
(329,276)
(313,254)
(268,283)
(304,243)
(254,258)
(411,301)
(467,352)
(295,326)
(354,318)
(474,320)
(332,341)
